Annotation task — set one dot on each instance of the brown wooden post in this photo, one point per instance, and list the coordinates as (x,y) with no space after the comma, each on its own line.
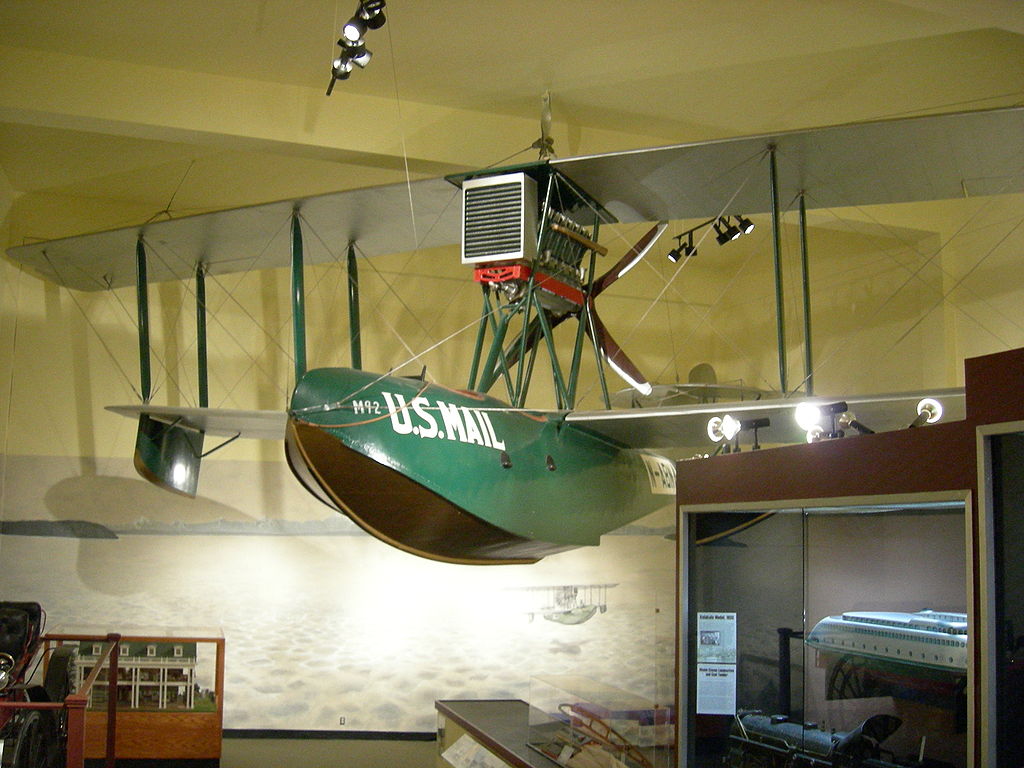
(75,749)
(115,640)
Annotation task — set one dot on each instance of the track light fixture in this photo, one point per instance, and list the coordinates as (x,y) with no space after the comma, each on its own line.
(725,231)
(682,250)
(369,15)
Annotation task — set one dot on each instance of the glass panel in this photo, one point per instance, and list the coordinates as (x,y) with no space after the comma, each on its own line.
(850,638)
(1008,530)
(757,577)
(886,647)
(625,719)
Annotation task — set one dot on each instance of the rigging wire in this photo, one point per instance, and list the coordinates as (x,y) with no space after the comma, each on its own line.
(956,285)
(230,297)
(401,133)
(669,283)
(167,210)
(95,330)
(9,411)
(915,275)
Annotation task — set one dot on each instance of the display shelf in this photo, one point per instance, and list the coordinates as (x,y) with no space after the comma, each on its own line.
(499,726)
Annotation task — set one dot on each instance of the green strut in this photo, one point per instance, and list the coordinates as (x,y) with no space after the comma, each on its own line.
(201,355)
(806,279)
(780,320)
(354,327)
(142,300)
(298,299)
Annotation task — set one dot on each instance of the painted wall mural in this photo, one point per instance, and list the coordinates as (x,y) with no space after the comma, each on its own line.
(321,621)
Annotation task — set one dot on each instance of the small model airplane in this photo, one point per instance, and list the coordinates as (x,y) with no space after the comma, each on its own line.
(458,475)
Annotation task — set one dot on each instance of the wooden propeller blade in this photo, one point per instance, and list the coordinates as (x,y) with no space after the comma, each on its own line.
(623,264)
(613,353)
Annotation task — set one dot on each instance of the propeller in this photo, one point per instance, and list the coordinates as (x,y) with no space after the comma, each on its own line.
(613,353)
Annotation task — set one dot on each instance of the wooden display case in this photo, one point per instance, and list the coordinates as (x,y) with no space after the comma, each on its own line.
(163,710)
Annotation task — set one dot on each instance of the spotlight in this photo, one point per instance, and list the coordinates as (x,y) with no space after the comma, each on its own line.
(746,225)
(725,230)
(355,52)
(341,68)
(682,249)
(723,428)
(354,29)
(689,249)
(728,428)
(369,15)
(747,425)
(929,410)
(811,416)
(373,11)
(807,416)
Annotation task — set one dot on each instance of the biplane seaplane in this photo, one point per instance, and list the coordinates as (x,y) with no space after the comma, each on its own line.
(460,475)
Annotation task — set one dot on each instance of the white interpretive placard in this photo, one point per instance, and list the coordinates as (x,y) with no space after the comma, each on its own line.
(716,663)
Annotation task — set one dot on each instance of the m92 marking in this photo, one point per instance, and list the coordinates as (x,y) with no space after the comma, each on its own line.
(366,407)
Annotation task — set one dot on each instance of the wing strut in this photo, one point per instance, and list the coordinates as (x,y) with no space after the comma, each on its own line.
(142,302)
(354,327)
(204,379)
(805,276)
(169,455)
(780,320)
(298,298)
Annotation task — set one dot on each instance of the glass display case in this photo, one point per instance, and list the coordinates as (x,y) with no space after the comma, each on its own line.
(831,636)
(489,733)
(1004,674)
(580,722)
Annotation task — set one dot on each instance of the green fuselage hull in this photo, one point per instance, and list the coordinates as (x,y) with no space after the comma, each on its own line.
(460,476)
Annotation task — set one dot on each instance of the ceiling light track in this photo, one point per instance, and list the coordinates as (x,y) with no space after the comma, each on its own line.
(725,228)
(369,15)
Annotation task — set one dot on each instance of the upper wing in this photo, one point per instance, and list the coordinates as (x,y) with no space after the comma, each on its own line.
(923,158)
(935,157)
(262,425)
(385,219)
(685,427)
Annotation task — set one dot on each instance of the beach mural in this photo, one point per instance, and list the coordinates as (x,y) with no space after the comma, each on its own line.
(327,628)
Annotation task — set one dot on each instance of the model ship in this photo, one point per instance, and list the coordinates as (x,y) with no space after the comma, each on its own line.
(931,639)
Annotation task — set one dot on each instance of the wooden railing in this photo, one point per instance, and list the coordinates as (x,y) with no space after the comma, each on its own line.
(74,704)
(77,701)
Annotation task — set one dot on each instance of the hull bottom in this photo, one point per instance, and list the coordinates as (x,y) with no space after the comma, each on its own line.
(398,510)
